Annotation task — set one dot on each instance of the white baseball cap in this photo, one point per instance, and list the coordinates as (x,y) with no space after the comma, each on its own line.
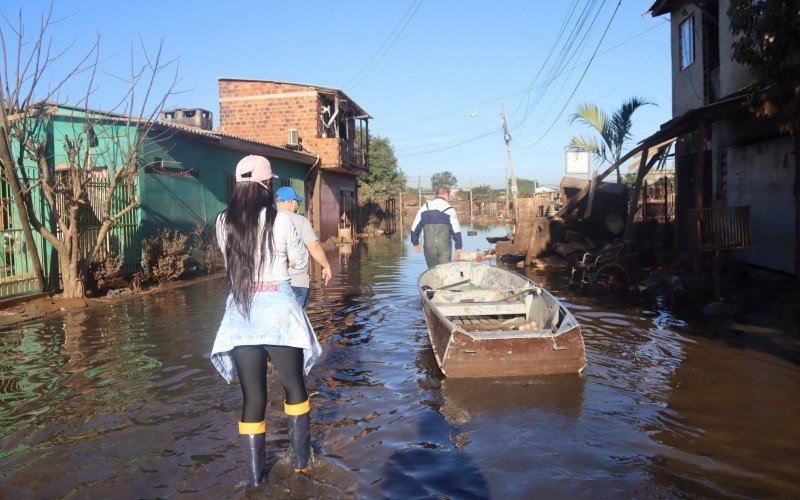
(254,168)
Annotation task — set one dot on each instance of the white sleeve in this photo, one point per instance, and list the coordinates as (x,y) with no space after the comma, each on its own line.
(296,250)
(454,221)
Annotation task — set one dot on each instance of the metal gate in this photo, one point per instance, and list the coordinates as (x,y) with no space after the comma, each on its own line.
(16,268)
(121,240)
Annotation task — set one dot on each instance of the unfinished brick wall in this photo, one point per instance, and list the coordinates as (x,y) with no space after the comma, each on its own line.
(265,111)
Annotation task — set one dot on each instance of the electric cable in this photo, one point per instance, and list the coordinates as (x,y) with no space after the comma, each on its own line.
(565,57)
(574,90)
(449,147)
(389,47)
(498,99)
(385,41)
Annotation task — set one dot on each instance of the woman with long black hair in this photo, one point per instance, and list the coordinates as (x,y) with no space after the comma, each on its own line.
(262,317)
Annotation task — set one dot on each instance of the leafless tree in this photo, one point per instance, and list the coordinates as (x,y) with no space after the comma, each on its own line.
(118,139)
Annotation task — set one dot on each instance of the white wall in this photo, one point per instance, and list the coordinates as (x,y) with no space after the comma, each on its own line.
(687,83)
(732,75)
(762,175)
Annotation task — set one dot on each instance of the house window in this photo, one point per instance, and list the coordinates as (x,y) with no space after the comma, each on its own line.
(157,166)
(686,33)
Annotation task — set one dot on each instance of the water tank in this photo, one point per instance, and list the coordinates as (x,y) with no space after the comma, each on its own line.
(193,117)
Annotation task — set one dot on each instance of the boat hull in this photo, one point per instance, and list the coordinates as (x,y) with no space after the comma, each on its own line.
(512,353)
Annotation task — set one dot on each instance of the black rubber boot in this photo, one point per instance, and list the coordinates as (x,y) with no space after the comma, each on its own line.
(300,437)
(254,457)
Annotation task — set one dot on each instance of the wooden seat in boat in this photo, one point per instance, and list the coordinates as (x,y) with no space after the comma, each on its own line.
(490,308)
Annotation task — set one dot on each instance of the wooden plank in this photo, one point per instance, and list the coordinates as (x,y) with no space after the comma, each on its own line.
(644,168)
(592,190)
(482,308)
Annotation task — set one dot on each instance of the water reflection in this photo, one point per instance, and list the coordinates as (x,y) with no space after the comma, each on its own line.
(122,401)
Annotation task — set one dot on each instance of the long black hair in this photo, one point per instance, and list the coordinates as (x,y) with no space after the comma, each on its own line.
(242,238)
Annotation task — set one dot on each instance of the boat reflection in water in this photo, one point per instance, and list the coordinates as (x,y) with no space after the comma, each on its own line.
(464,400)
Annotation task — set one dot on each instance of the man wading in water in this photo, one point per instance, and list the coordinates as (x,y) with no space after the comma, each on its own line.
(287,200)
(438,221)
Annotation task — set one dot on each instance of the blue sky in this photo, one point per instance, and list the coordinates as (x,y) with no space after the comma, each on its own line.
(432,73)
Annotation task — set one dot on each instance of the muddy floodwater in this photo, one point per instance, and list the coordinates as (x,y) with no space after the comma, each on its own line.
(122,401)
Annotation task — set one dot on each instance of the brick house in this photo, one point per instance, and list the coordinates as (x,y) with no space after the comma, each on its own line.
(315,119)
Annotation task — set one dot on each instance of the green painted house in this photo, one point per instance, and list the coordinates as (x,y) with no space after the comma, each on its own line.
(185,175)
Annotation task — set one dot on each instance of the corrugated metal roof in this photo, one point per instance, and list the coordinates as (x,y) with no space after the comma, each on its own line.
(284,151)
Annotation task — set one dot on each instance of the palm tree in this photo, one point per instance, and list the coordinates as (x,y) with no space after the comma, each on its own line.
(614,132)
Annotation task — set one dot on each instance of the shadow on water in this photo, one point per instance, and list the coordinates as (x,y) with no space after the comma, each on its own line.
(122,401)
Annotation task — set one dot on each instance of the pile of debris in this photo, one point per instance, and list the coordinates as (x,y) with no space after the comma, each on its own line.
(556,238)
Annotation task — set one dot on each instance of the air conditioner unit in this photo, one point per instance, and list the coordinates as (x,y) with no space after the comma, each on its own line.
(294,139)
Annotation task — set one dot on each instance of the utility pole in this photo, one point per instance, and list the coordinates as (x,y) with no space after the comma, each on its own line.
(507,138)
(401,202)
(402,188)
(508,208)
(470,198)
(419,189)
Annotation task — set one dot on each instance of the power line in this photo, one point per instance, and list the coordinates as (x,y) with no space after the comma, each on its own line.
(600,54)
(474,124)
(566,55)
(385,41)
(577,65)
(498,99)
(574,90)
(647,60)
(389,47)
(469,107)
(451,158)
(561,31)
(449,147)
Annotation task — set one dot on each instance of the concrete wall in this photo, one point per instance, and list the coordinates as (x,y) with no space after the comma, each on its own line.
(687,83)
(762,175)
(749,164)
(184,202)
(733,76)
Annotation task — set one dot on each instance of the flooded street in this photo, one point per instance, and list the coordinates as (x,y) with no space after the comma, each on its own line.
(122,401)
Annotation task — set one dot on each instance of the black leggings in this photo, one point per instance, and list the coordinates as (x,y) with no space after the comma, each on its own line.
(251,365)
